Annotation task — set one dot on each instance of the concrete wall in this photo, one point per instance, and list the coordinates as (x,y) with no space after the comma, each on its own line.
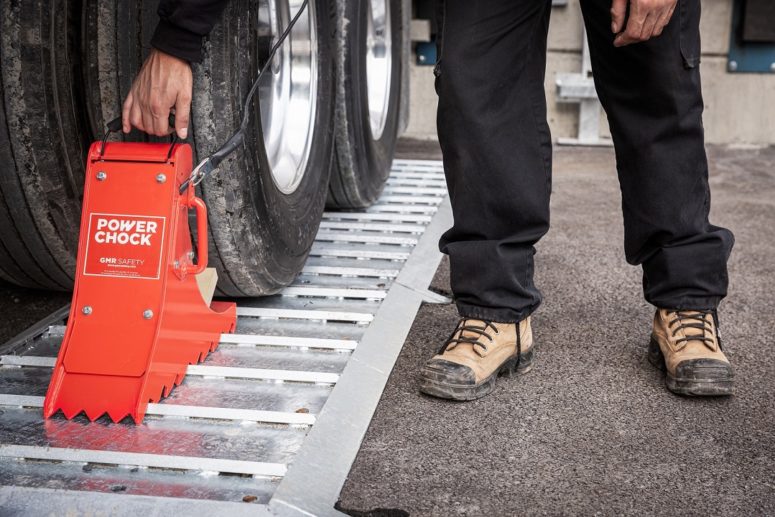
(738,107)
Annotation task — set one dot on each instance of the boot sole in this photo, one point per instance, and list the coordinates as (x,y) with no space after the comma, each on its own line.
(516,365)
(713,382)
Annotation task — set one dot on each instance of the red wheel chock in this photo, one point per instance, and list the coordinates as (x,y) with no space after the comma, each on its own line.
(141,310)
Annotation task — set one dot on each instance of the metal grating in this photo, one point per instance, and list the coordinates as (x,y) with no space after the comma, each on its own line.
(275,416)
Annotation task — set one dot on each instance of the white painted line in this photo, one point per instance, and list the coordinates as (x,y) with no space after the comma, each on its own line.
(402,209)
(333,251)
(372,227)
(335,292)
(230,372)
(201,370)
(253,468)
(364,238)
(418,164)
(287,341)
(370,216)
(425,180)
(408,174)
(412,200)
(355,317)
(175,410)
(27,360)
(417,190)
(345,271)
(413,182)
(232,414)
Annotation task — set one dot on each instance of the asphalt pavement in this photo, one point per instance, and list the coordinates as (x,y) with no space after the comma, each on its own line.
(592,430)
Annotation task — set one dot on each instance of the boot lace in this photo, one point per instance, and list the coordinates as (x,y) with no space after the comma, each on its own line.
(474,335)
(693,320)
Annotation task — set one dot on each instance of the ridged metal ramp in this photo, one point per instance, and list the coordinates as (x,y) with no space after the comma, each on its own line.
(271,422)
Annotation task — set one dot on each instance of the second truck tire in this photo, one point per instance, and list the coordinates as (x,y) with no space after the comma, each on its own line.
(369,53)
(265,202)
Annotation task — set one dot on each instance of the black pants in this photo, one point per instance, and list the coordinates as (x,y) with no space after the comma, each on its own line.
(497,153)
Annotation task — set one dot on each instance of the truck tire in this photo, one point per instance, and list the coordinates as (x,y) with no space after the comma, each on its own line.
(43,141)
(116,41)
(265,202)
(263,211)
(369,52)
(406,69)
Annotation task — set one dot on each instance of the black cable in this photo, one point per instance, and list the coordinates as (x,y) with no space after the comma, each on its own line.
(235,140)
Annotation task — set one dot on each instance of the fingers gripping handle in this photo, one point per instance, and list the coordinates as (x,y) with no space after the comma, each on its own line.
(114,126)
(201,236)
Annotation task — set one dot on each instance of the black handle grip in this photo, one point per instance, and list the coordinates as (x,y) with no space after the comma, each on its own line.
(115,125)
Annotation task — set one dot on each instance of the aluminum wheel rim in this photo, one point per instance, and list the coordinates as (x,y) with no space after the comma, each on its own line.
(379,64)
(288,95)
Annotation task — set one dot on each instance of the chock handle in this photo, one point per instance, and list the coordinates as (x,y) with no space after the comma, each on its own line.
(201,236)
(114,126)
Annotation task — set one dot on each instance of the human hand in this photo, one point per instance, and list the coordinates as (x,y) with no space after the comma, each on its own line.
(646,20)
(164,82)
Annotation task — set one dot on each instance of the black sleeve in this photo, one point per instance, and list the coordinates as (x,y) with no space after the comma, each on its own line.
(183,24)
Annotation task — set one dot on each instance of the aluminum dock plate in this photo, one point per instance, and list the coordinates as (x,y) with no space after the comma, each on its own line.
(271,422)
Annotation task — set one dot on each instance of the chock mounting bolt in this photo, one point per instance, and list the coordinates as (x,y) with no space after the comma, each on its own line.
(147,314)
(101,176)
(86,310)
(161,178)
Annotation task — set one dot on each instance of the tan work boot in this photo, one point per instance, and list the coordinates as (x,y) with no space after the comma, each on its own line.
(686,345)
(473,357)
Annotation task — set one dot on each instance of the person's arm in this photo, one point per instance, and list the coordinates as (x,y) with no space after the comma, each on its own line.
(645,20)
(165,80)
(183,24)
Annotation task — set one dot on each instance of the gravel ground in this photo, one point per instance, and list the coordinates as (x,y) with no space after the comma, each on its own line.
(592,430)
